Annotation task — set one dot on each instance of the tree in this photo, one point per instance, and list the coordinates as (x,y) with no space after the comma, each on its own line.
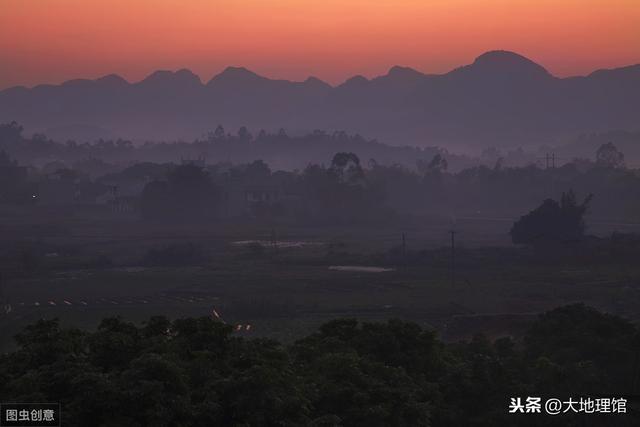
(10,133)
(552,222)
(188,193)
(436,165)
(219,132)
(609,156)
(257,171)
(195,372)
(244,134)
(346,167)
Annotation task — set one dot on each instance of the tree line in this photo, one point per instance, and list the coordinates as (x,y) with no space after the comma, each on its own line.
(381,191)
(197,372)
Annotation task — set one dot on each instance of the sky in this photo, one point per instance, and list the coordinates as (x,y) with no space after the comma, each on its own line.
(50,41)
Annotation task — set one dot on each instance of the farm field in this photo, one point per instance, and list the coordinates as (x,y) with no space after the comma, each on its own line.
(282,282)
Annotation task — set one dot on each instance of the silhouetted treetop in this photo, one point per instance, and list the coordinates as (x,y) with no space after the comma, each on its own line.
(552,223)
(609,156)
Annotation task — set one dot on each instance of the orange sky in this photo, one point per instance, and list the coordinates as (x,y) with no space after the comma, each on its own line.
(56,40)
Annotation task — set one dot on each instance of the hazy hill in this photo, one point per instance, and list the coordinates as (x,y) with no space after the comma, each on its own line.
(500,99)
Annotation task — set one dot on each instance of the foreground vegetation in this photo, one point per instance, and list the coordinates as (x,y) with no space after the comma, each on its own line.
(196,372)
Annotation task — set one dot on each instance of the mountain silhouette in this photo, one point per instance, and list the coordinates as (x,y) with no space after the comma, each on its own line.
(500,99)
(234,76)
(502,62)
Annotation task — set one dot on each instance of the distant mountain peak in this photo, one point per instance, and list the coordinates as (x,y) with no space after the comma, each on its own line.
(355,81)
(314,81)
(504,60)
(397,70)
(402,74)
(501,57)
(183,76)
(236,75)
(186,74)
(112,80)
(232,70)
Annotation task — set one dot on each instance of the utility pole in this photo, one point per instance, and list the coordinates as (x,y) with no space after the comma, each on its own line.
(553,182)
(404,246)
(4,300)
(549,160)
(274,241)
(552,174)
(453,257)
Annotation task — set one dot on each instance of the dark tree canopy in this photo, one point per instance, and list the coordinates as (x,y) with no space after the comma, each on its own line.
(346,167)
(552,223)
(10,133)
(188,193)
(196,372)
(609,156)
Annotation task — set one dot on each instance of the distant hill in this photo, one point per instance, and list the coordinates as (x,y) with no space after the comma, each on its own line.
(501,99)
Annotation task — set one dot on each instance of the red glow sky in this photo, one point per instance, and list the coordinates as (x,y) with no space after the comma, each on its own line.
(49,41)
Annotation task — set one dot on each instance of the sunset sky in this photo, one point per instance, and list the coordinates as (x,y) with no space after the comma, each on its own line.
(55,40)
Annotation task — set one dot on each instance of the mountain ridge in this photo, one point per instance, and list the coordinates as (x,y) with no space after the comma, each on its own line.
(491,57)
(501,98)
